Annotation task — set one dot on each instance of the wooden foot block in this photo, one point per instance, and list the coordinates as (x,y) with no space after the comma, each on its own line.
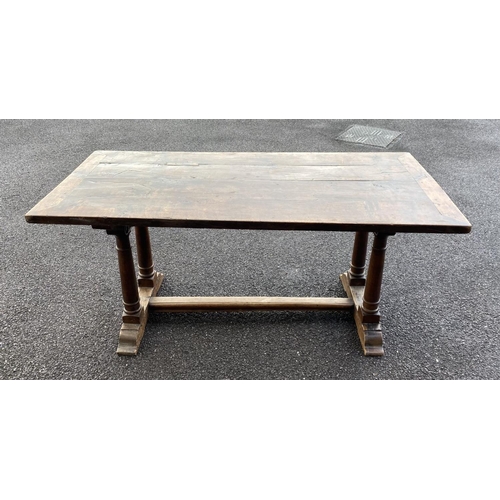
(131,333)
(370,334)
(355,281)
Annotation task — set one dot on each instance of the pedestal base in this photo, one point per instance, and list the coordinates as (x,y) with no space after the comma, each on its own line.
(131,333)
(370,333)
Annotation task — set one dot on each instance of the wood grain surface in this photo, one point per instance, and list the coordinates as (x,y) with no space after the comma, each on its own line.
(201,304)
(388,192)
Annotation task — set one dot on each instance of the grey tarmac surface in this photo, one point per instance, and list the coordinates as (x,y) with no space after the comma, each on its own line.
(60,308)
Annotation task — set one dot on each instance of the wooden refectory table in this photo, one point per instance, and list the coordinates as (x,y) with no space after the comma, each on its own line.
(384,193)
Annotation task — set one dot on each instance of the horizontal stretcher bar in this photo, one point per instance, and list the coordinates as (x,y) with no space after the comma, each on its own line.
(199,304)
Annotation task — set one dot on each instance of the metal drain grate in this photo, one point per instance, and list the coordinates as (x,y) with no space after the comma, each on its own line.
(372,136)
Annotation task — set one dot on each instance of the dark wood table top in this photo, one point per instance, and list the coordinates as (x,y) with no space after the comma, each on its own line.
(387,192)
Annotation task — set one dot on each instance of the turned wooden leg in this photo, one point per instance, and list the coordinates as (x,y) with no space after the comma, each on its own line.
(130,292)
(357,271)
(144,257)
(148,279)
(366,297)
(135,298)
(371,297)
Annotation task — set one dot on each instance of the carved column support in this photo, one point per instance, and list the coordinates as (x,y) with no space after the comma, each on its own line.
(366,296)
(144,257)
(130,293)
(136,293)
(371,297)
(357,272)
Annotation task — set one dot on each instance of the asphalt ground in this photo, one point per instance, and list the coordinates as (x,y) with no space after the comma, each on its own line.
(60,289)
